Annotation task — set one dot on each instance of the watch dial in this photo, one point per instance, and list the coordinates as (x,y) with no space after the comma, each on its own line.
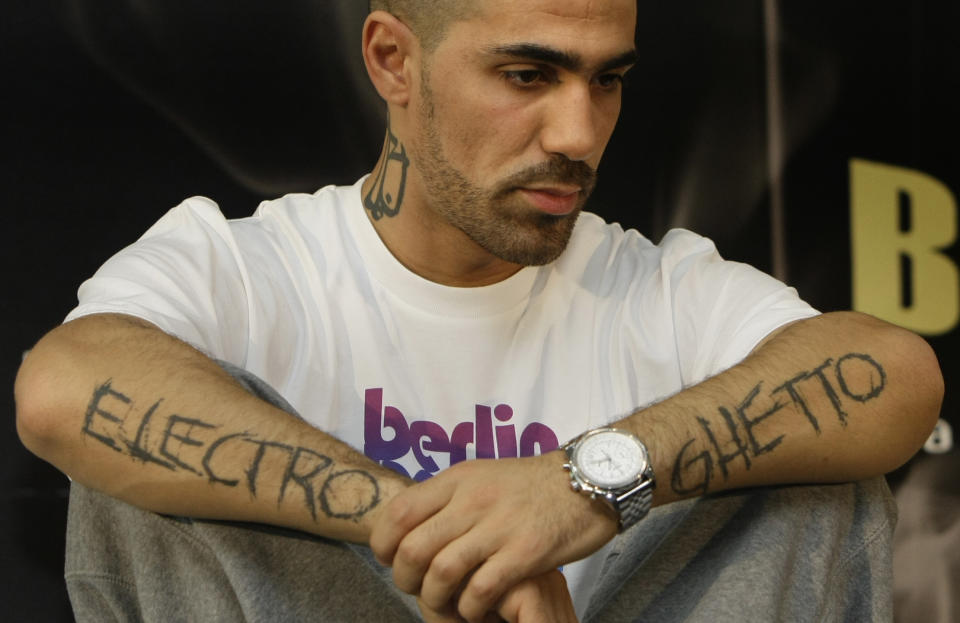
(610,459)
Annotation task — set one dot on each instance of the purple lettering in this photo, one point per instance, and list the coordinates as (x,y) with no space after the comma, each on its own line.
(506,435)
(396,467)
(462,435)
(507,441)
(484,433)
(436,441)
(426,439)
(537,434)
(374,445)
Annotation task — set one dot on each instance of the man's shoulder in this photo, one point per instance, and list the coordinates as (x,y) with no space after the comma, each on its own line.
(292,216)
(324,202)
(204,210)
(280,223)
(593,234)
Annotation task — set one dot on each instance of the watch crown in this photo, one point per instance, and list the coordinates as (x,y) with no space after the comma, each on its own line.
(567,466)
(575,486)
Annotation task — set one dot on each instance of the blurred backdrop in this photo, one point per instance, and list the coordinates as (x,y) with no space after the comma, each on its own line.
(815,140)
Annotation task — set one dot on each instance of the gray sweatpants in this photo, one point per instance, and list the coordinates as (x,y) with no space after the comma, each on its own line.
(775,554)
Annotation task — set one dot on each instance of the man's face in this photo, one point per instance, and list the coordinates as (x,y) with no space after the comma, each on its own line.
(516,108)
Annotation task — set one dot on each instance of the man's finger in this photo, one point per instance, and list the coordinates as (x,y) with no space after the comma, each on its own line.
(542,599)
(492,580)
(419,550)
(403,513)
(432,616)
(450,568)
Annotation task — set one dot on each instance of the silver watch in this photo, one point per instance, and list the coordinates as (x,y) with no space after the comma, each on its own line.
(613,465)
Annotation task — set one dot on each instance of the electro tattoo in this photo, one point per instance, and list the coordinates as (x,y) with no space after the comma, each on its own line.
(380,200)
(179,443)
(854,377)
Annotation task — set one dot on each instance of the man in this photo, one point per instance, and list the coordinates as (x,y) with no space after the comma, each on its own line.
(457,304)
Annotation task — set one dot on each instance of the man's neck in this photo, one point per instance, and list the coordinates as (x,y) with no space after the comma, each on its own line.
(395,202)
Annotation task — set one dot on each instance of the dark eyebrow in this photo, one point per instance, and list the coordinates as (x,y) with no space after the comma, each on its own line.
(626,59)
(566,60)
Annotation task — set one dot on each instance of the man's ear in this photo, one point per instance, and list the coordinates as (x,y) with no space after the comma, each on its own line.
(389,47)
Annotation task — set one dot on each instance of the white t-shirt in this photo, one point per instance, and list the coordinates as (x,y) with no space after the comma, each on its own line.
(305,295)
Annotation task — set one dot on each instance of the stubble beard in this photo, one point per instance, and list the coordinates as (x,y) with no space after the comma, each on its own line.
(498,219)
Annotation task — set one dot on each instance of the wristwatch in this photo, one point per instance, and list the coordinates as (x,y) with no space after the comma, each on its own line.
(613,465)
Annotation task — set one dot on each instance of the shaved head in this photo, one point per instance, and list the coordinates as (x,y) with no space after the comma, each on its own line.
(428,19)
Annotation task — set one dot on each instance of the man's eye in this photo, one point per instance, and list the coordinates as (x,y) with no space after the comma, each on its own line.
(610,81)
(524,77)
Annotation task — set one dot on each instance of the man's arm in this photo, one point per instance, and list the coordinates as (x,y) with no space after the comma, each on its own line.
(124,408)
(834,398)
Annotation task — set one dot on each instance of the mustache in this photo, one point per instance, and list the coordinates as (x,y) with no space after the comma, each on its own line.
(557,170)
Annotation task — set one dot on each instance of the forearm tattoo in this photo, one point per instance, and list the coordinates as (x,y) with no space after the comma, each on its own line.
(185,444)
(390,180)
(853,377)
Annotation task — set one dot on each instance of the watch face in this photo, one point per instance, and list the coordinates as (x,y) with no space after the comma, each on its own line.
(610,459)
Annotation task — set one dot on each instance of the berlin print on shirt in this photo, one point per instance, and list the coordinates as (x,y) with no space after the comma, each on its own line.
(390,436)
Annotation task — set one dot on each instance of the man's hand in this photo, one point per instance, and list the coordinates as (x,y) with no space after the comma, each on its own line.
(482,527)
(540,599)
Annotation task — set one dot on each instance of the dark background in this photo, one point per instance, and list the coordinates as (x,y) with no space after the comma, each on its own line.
(114,111)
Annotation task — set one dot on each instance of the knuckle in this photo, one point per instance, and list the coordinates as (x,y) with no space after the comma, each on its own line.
(530,544)
(434,602)
(410,553)
(447,569)
(536,550)
(399,511)
(483,497)
(484,588)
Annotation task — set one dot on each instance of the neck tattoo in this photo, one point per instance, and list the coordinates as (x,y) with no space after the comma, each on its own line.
(380,200)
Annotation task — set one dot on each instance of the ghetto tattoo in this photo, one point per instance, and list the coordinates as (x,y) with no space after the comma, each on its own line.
(380,200)
(854,376)
(188,444)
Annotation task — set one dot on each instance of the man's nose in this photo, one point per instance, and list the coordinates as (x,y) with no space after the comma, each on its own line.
(570,126)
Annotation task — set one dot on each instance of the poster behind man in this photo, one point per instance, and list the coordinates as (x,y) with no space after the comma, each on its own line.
(815,140)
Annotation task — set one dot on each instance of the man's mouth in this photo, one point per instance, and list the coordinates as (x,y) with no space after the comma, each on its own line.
(557,200)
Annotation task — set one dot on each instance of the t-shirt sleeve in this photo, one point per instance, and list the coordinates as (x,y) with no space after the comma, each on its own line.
(721,309)
(185,275)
